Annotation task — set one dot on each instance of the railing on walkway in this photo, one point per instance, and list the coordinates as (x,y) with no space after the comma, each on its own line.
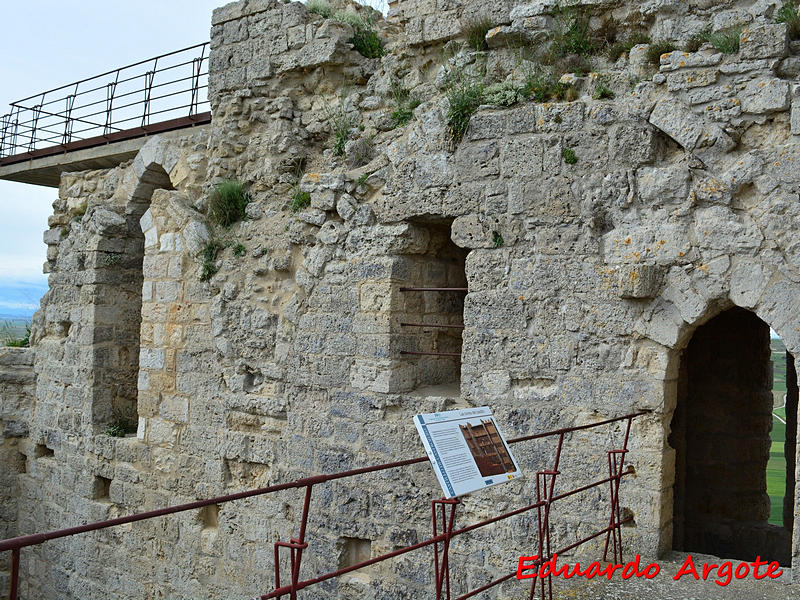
(443,520)
(154,95)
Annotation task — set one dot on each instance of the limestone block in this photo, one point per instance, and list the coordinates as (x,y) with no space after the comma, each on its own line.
(727,19)
(663,185)
(323,200)
(749,278)
(175,409)
(533,9)
(764,41)
(513,36)
(685,80)
(765,95)
(312,216)
(672,61)
(315,182)
(382,375)
(663,323)
(346,206)
(106,222)
(720,228)
(678,121)
(632,144)
(195,234)
(441,26)
(151,358)
(331,232)
(317,258)
(151,237)
(167,291)
(640,281)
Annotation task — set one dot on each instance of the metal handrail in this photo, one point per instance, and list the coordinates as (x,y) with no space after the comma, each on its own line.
(545,485)
(45,123)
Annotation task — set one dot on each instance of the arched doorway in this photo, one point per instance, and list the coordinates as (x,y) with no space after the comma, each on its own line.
(721,435)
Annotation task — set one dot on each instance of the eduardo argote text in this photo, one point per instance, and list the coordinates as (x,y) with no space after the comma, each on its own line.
(722,574)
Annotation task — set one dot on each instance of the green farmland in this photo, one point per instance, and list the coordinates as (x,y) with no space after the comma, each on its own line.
(776,467)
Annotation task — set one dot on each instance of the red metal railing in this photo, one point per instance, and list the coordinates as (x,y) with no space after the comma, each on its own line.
(172,89)
(443,520)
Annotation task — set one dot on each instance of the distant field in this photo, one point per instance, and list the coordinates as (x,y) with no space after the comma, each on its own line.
(12,329)
(776,467)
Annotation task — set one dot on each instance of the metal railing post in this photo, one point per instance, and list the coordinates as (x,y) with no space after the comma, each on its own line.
(37,111)
(442,568)
(14,589)
(111,89)
(70,102)
(545,489)
(296,547)
(197,68)
(616,460)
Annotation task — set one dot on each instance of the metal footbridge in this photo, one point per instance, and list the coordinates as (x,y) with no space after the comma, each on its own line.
(102,121)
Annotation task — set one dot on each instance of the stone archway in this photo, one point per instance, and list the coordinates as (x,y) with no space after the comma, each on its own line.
(721,435)
(149,173)
(764,299)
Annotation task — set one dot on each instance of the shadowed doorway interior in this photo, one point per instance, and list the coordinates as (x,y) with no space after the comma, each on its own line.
(721,434)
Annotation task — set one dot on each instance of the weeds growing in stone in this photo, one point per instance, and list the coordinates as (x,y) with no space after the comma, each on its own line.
(505,93)
(726,41)
(475,33)
(300,199)
(572,33)
(617,49)
(208,257)
(227,202)
(603,91)
(320,7)
(120,427)
(405,103)
(464,96)
(111,259)
(239,250)
(541,86)
(655,51)
(789,14)
(569,156)
(340,124)
(363,179)
(497,240)
(365,39)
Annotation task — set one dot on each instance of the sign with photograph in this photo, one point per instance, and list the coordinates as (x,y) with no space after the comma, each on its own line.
(467,450)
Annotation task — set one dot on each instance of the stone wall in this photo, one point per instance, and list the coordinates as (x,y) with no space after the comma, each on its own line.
(16,404)
(585,281)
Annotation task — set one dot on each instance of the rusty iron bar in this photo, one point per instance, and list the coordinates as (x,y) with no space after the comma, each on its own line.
(431,325)
(14,589)
(538,562)
(16,543)
(432,289)
(112,71)
(282,591)
(101,140)
(442,569)
(616,460)
(545,482)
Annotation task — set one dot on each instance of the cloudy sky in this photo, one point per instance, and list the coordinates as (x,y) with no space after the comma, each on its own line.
(48,43)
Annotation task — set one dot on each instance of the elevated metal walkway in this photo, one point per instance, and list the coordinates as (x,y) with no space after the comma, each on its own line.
(101,121)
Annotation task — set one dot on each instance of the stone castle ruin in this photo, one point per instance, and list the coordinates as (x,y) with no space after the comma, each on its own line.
(626,225)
